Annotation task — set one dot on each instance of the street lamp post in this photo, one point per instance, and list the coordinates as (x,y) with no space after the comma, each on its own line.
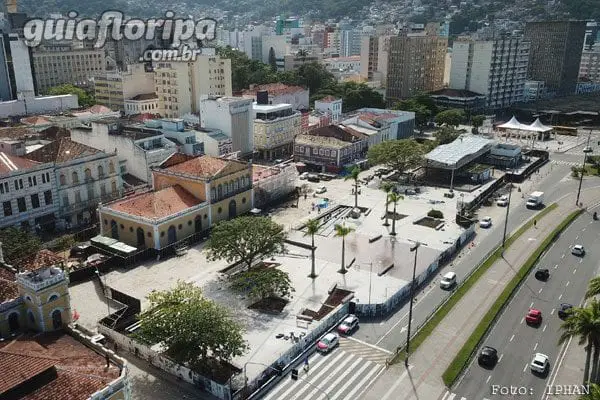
(585,153)
(415,248)
(510,185)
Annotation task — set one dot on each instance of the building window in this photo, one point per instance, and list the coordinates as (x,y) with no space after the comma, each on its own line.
(105,222)
(75,177)
(220,191)
(220,210)
(205,216)
(35,201)
(111,168)
(63,180)
(212,194)
(243,200)
(4,188)
(100,171)
(180,226)
(113,187)
(7,208)
(189,223)
(122,226)
(88,174)
(131,229)
(162,234)
(48,197)
(149,234)
(21,204)
(77,197)
(103,189)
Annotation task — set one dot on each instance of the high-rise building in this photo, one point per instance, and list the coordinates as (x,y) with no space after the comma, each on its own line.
(113,88)
(589,69)
(416,62)
(555,56)
(16,70)
(374,58)
(494,68)
(350,43)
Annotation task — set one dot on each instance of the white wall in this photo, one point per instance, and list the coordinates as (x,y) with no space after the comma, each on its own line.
(38,105)
(22,63)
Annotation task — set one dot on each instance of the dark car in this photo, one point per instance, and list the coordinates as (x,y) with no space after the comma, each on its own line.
(564,310)
(488,356)
(542,274)
(81,250)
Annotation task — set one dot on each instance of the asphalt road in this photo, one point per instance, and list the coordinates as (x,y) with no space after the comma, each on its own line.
(515,340)
(391,332)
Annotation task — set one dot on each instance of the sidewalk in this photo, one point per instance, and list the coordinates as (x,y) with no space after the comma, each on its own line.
(423,378)
(570,373)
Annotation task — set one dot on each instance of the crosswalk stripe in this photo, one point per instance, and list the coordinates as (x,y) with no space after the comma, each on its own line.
(445,395)
(314,381)
(452,396)
(340,378)
(358,386)
(463,398)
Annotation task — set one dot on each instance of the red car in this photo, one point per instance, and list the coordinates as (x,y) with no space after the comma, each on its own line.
(534,316)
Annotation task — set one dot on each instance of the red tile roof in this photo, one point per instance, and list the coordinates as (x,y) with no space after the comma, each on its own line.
(61,150)
(260,172)
(80,370)
(8,286)
(203,166)
(174,159)
(16,132)
(35,120)
(42,259)
(9,163)
(156,205)
(274,89)
(99,109)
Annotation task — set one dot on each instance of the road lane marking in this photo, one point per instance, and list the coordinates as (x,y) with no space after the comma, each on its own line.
(522,320)
(511,338)
(576,237)
(556,266)
(575,270)
(541,290)
(394,387)
(560,297)
(535,347)
(500,358)
(568,283)
(583,230)
(525,367)
(552,312)
(452,396)
(558,363)
(580,260)
(369,344)
(445,395)
(488,379)
(531,305)
(545,326)
(563,256)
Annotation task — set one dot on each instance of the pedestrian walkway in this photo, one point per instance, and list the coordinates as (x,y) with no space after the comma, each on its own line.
(453,396)
(422,380)
(339,375)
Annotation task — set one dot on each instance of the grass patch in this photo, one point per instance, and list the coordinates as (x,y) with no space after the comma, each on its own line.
(458,294)
(464,355)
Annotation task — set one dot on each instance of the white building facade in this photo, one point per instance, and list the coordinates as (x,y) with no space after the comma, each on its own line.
(233,116)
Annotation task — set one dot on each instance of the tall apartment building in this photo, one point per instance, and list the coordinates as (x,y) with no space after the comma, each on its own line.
(590,63)
(16,73)
(374,58)
(556,48)
(180,85)
(350,43)
(63,63)
(494,68)
(233,116)
(112,89)
(416,63)
(275,127)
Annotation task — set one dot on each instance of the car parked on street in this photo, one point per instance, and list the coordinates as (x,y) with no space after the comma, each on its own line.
(533,317)
(488,356)
(328,342)
(303,176)
(502,201)
(578,250)
(542,274)
(448,280)
(540,363)
(485,222)
(564,310)
(348,325)
(321,190)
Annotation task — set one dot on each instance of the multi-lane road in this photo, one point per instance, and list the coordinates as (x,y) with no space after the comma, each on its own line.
(515,340)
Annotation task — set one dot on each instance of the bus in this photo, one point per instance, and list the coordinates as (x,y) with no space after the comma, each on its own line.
(565,130)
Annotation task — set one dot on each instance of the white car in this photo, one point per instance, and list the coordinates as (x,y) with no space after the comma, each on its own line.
(502,201)
(540,363)
(304,175)
(348,325)
(485,222)
(448,280)
(578,250)
(321,190)
(328,342)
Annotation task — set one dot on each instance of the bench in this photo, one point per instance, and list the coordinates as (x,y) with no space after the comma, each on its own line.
(303,321)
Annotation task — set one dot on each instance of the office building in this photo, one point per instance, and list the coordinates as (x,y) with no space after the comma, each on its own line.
(112,89)
(555,56)
(275,127)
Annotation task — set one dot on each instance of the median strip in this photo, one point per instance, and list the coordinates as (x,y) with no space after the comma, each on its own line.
(424,332)
(461,360)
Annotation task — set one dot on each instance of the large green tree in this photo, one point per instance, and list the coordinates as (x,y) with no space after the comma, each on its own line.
(452,117)
(400,155)
(193,328)
(245,239)
(446,134)
(422,105)
(84,98)
(17,244)
(263,282)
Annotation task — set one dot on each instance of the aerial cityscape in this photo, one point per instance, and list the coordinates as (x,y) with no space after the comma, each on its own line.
(359,200)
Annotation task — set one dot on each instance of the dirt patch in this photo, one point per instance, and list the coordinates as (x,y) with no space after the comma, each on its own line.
(429,222)
(334,300)
(269,305)
(398,216)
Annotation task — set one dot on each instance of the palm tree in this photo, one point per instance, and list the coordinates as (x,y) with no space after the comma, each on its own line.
(312,228)
(585,324)
(387,188)
(302,54)
(343,231)
(394,198)
(593,288)
(594,393)
(354,176)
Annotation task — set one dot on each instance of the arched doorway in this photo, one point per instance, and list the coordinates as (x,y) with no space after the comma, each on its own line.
(56,319)
(114,229)
(172,234)
(232,209)
(13,322)
(198,224)
(141,240)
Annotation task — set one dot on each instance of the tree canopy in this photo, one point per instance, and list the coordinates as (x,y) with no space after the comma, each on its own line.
(191,327)
(84,98)
(446,134)
(422,105)
(400,155)
(451,117)
(263,282)
(16,244)
(245,239)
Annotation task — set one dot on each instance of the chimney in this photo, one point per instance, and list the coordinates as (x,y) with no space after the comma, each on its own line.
(262,97)
(11,6)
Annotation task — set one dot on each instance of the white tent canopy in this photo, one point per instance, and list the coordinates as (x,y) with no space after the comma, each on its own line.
(539,127)
(536,126)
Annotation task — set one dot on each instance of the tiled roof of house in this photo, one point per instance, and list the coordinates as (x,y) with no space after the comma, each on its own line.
(55,133)
(35,120)
(158,204)
(16,132)
(174,159)
(203,166)
(10,163)
(8,286)
(42,259)
(274,89)
(80,371)
(145,96)
(99,109)
(61,150)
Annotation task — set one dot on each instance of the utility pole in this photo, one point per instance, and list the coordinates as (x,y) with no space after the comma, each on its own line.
(507,208)
(585,153)
(415,248)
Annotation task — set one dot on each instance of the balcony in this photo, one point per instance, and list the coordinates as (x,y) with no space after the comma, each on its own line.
(39,280)
(89,203)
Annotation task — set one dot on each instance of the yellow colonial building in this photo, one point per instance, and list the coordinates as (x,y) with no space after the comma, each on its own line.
(189,195)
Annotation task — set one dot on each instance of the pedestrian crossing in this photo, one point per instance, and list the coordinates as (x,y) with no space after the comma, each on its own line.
(339,375)
(454,396)
(364,350)
(569,163)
